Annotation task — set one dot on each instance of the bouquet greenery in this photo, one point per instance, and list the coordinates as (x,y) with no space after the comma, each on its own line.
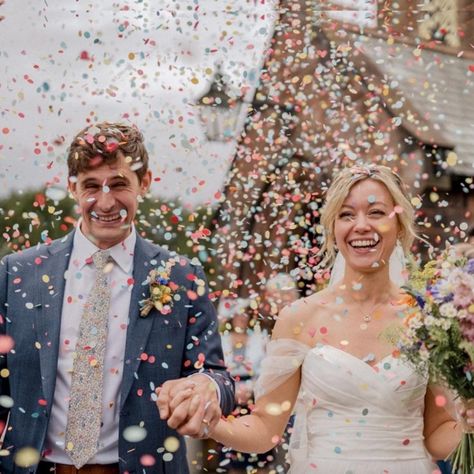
(439,335)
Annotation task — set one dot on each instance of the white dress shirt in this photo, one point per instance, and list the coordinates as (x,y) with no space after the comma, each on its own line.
(80,277)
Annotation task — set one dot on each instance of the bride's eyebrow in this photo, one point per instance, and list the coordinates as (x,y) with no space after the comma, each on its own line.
(378,203)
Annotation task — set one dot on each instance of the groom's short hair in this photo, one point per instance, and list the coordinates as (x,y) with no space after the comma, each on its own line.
(102,142)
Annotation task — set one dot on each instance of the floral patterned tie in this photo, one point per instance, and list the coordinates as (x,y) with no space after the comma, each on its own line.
(85,404)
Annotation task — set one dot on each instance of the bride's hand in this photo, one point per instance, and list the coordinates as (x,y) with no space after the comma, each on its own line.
(465,414)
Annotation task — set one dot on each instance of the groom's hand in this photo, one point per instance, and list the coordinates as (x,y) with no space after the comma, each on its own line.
(1,3)
(190,405)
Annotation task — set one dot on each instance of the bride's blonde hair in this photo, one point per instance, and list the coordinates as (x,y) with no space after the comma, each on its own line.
(339,190)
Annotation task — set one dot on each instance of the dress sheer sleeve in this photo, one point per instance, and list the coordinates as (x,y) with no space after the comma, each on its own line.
(284,357)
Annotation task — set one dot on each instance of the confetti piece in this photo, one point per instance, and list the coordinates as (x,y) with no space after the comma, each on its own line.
(6,401)
(440,401)
(27,457)
(147,460)
(171,444)
(6,344)
(134,434)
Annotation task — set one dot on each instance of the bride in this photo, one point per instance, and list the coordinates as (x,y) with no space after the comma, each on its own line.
(359,408)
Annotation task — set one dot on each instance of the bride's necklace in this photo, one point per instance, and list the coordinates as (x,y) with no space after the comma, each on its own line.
(368,316)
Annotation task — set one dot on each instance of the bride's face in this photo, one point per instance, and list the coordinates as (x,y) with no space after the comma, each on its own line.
(366,226)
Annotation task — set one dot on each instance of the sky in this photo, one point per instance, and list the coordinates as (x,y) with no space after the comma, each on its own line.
(144,62)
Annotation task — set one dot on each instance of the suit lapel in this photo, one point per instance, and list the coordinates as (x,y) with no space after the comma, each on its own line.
(48,318)
(139,328)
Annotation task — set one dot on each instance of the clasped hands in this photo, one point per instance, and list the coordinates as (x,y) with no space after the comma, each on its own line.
(190,405)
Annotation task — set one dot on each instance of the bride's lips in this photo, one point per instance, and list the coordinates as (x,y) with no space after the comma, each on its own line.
(364,246)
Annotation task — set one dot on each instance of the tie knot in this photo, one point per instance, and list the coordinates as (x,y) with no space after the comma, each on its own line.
(101,258)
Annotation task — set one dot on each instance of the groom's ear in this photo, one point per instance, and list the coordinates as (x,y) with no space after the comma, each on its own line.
(145,183)
(72,186)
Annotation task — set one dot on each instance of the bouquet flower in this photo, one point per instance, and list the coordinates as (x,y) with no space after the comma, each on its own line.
(439,336)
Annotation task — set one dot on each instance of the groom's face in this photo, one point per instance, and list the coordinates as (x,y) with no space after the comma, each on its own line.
(108,197)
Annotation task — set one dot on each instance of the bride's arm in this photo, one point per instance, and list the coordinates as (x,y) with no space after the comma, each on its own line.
(263,429)
(442,433)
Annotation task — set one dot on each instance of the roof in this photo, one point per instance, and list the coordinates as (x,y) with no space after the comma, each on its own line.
(438,85)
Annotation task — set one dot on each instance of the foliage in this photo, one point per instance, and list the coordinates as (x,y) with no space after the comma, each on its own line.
(29,218)
(33,217)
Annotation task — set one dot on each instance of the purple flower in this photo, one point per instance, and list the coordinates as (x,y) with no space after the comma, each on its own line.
(437,294)
(470,266)
(463,296)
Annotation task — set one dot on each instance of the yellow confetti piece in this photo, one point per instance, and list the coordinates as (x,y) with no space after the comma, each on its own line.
(171,444)
(37,345)
(377,314)
(452,158)
(26,457)
(131,56)
(194,80)
(273,409)
(45,278)
(434,197)
(286,405)
(297,330)
(4,373)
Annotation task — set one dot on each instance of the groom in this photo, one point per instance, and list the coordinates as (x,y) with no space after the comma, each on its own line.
(94,325)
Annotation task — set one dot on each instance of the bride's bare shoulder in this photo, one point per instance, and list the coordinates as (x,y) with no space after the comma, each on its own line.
(294,318)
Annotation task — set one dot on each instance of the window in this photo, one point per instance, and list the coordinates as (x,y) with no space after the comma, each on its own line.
(439,21)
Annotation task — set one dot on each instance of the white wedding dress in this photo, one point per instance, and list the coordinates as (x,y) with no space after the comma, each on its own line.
(350,417)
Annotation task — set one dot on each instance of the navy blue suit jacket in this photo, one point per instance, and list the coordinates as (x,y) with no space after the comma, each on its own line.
(30,310)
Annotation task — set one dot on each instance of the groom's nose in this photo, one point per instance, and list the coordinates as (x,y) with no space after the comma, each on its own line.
(105,200)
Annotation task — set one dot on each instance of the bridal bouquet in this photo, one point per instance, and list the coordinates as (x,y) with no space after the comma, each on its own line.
(439,335)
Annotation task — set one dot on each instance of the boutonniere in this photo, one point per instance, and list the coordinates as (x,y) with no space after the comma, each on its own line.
(162,290)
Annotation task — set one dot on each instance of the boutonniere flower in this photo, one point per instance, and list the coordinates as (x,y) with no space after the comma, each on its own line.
(162,290)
